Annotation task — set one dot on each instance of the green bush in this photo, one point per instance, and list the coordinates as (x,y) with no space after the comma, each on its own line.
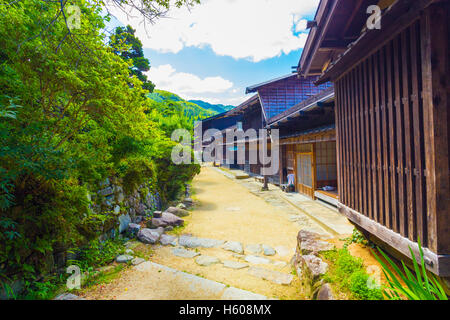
(349,275)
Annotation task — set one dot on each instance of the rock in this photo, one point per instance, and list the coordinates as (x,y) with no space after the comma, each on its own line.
(193,242)
(124,258)
(234,246)
(131,244)
(68,296)
(257,260)
(188,202)
(157,214)
(268,250)
(148,236)
(166,240)
(124,221)
(129,251)
(106,192)
(120,197)
(140,209)
(183,253)
(137,261)
(305,235)
(313,265)
(178,212)
(206,261)
(133,229)
(168,228)
(156,223)
(273,276)
(315,246)
(160,230)
(182,206)
(171,219)
(253,249)
(139,219)
(325,293)
(234,265)
(117,209)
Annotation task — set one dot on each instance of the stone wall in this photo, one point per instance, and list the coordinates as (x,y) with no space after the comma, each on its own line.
(124,209)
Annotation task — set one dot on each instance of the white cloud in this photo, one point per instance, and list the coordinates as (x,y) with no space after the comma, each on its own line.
(243,29)
(187,85)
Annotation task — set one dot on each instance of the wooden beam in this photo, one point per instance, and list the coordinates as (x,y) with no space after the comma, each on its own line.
(435,79)
(438,264)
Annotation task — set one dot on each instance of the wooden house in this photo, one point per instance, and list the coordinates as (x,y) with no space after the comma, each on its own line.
(392,91)
(308,146)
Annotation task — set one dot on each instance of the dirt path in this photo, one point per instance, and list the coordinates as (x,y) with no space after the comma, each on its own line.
(228,211)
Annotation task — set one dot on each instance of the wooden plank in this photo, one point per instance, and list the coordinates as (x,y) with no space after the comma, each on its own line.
(372,94)
(392,137)
(358,137)
(346,144)
(438,264)
(353,149)
(435,79)
(406,75)
(368,138)
(417,119)
(400,139)
(362,139)
(387,219)
(378,137)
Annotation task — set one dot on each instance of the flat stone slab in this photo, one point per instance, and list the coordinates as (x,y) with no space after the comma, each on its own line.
(233,246)
(167,240)
(253,249)
(137,261)
(68,296)
(272,276)
(239,294)
(268,250)
(257,260)
(186,285)
(124,258)
(183,253)
(283,251)
(206,261)
(193,242)
(234,265)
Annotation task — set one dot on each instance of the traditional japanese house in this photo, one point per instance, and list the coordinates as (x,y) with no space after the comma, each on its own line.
(279,95)
(392,119)
(308,146)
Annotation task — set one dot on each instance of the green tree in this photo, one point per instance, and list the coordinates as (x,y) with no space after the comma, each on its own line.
(126,45)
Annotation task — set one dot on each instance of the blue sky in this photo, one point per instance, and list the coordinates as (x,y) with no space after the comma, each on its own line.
(204,54)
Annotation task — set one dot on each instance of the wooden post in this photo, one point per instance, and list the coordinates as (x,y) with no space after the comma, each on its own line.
(435,78)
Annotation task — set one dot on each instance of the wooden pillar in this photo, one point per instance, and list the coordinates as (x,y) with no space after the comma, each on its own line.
(435,77)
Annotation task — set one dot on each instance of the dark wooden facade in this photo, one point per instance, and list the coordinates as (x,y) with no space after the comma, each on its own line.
(392,118)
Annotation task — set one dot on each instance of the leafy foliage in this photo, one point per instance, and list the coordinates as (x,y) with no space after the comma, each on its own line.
(129,48)
(417,286)
(348,274)
(76,116)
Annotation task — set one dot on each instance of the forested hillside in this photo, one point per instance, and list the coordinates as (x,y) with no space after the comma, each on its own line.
(171,101)
(217,108)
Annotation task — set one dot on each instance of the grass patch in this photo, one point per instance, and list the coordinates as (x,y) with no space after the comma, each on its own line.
(178,231)
(348,274)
